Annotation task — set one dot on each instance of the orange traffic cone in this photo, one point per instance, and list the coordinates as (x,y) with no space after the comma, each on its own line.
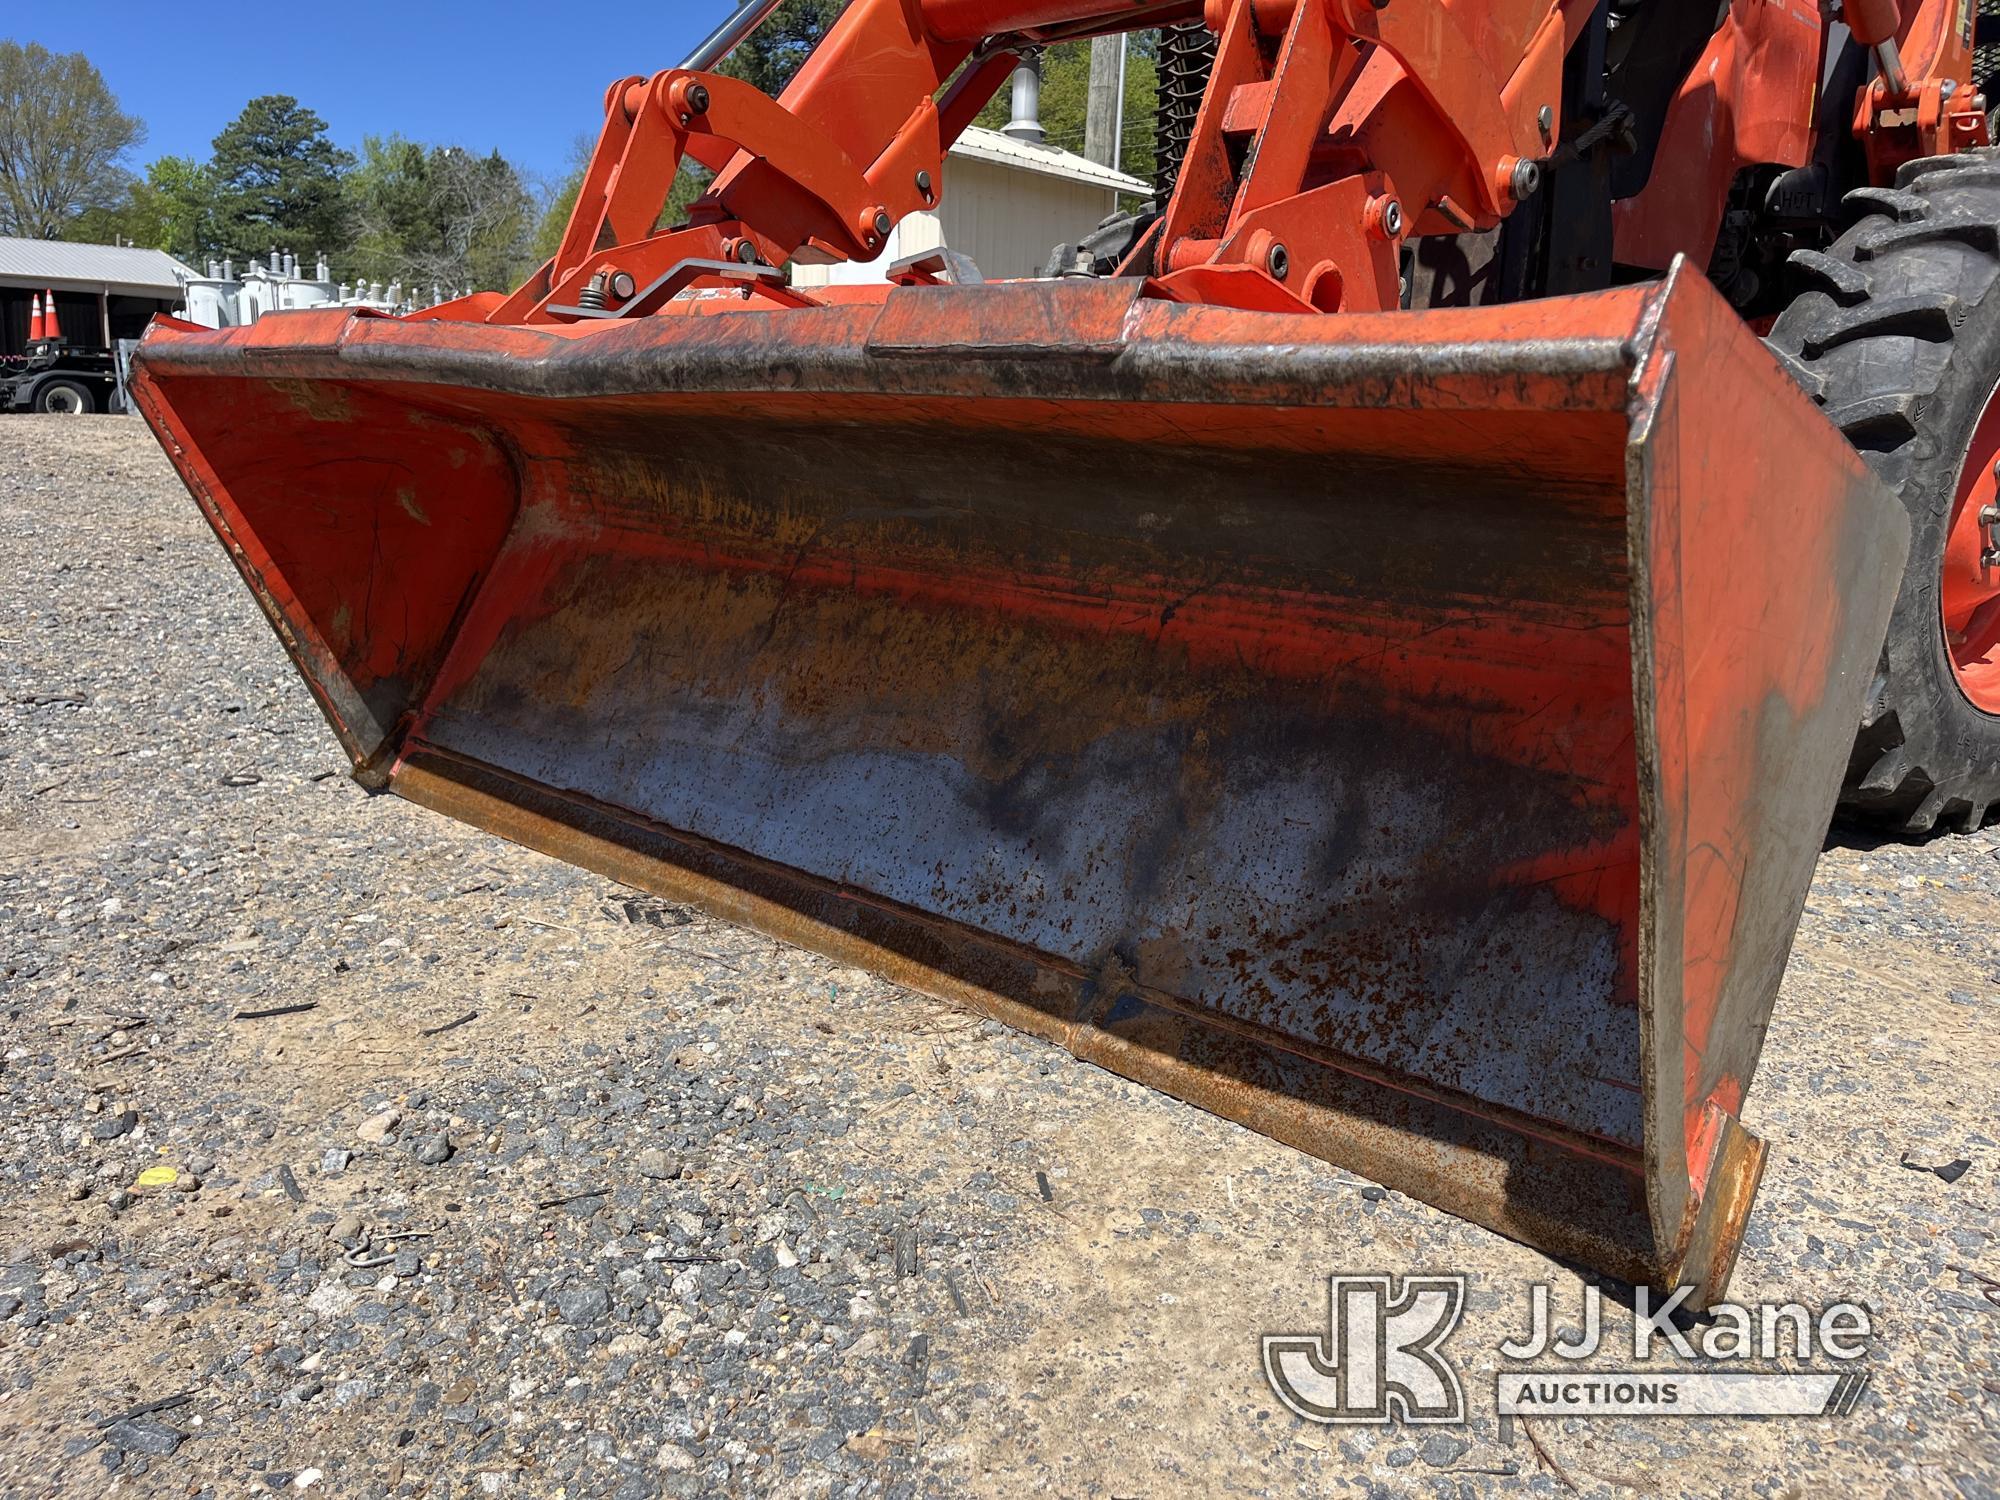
(36,325)
(51,329)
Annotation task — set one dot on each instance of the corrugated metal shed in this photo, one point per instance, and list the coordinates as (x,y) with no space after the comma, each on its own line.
(981,144)
(1007,204)
(122,269)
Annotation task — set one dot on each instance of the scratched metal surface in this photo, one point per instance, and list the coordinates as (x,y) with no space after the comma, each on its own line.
(1253,768)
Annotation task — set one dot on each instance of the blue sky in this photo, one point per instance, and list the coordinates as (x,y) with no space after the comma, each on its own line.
(526,78)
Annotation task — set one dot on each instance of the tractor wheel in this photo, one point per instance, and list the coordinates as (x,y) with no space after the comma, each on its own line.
(67,398)
(1898,338)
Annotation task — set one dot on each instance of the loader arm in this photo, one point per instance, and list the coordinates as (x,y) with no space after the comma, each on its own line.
(1334,130)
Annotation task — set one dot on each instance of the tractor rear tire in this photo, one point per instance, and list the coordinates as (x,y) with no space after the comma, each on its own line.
(1897,336)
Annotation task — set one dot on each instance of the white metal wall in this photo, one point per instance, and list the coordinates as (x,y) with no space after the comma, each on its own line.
(1006,218)
(913,236)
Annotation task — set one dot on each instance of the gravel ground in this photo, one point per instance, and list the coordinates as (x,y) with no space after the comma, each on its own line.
(690,1213)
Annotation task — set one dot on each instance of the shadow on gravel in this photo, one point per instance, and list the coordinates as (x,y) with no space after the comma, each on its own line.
(1865,838)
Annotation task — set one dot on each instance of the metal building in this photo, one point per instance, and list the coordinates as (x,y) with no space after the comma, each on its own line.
(104,293)
(1008,202)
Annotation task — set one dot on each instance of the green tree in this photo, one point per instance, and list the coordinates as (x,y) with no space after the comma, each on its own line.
(689,185)
(171,208)
(437,215)
(1066,100)
(278,180)
(62,139)
(771,54)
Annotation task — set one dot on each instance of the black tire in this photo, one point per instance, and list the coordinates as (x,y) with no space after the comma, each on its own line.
(1898,337)
(62,397)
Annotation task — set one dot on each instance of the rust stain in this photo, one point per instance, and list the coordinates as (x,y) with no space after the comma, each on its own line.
(318,400)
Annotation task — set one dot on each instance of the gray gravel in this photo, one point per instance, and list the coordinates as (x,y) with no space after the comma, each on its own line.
(663,1208)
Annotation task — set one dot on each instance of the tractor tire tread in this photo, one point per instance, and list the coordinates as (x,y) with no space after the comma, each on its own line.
(1886,332)
(1934,316)
(1901,205)
(1883,236)
(1842,280)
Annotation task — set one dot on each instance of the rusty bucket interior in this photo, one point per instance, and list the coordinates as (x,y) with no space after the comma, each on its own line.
(1415,751)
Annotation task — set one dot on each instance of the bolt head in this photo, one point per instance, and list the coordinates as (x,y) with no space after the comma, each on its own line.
(746,252)
(1392,218)
(1278,262)
(698,99)
(622,286)
(924,183)
(1545,119)
(1527,179)
(883,223)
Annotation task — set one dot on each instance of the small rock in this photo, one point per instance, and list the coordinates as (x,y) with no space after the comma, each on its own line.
(583,1305)
(435,1150)
(674,1459)
(867,1445)
(305,1479)
(377,1128)
(187,1182)
(112,1126)
(330,1300)
(335,1162)
(1441,1451)
(657,1164)
(139,1435)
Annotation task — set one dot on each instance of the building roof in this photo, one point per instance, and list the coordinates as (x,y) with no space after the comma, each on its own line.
(981,144)
(118,268)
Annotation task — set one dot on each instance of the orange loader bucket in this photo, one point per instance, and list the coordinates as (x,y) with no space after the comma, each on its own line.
(1409,735)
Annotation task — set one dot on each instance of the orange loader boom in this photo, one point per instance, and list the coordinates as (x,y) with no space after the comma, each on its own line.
(1376,661)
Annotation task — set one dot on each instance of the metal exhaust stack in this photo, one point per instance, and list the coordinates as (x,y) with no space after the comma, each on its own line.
(1410,737)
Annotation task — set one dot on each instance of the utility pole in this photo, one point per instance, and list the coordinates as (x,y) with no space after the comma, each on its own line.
(1104,125)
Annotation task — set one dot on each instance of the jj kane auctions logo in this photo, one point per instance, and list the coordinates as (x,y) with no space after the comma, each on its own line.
(1382,1357)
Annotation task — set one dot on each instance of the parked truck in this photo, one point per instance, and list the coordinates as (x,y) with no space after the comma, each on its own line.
(54,377)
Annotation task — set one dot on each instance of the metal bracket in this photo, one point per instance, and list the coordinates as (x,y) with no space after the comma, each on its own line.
(940,267)
(769,280)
